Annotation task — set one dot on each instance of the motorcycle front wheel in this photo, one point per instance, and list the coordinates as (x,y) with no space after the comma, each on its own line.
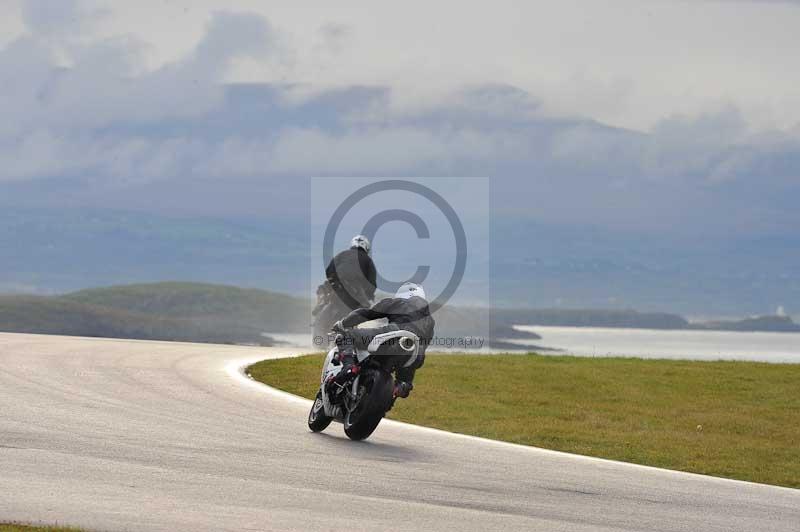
(375,395)
(317,420)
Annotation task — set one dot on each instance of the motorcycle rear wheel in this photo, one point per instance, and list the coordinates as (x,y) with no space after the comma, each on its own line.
(362,421)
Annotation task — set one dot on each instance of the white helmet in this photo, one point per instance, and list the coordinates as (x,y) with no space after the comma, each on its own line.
(409,290)
(360,241)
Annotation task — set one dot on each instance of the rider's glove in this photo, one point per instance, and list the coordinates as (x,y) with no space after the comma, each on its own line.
(338,327)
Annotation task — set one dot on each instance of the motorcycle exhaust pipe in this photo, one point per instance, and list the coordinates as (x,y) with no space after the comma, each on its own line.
(407,344)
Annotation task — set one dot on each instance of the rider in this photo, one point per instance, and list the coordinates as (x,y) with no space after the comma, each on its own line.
(407,310)
(350,284)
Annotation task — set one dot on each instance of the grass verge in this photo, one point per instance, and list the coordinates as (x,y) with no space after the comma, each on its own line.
(737,420)
(12,527)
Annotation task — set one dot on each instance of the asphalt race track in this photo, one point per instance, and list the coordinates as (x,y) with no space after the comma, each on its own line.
(132,435)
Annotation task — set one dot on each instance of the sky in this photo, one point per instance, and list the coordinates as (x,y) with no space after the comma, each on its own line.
(624,63)
(665,118)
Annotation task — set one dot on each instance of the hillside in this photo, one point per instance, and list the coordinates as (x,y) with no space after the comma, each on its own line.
(56,315)
(191,312)
(207,304)
(199,312)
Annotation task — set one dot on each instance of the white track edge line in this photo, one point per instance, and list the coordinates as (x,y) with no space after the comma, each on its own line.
(237,369)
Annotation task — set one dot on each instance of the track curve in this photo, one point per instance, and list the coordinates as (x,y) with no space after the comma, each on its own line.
(133,435)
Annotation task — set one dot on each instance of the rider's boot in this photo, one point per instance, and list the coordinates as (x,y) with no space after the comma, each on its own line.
(402,389)
(402,383)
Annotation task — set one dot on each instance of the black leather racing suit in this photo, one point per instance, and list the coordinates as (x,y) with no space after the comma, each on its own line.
(408,314)
(349,284)
(352,277)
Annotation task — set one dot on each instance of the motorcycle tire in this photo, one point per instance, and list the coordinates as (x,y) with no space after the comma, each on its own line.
(362,421)
(317,420)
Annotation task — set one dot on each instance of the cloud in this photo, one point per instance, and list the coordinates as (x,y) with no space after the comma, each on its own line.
(104,82)
(47,17)
(91,112)
(333,37)
(232,35)
(99,116)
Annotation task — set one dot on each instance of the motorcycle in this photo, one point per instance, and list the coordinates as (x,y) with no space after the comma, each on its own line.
(366,394)
(330,308)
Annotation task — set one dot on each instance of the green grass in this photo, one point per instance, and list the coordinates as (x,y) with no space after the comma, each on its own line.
(730,419)
(11,527)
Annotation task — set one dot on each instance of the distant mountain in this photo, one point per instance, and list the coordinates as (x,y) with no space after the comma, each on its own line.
(50,251)
(532,265)
(761,323)
(631,319)
(590,318)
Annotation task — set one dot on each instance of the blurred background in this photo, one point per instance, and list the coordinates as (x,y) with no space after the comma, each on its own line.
(640,155)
